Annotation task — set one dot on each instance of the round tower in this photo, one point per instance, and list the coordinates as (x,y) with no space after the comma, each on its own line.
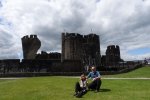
(30,46)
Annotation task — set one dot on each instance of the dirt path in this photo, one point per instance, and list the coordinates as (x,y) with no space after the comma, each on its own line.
(138,78)
(12,78)
(113,78)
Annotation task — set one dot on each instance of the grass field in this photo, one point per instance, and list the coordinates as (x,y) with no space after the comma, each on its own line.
(62,88)
(141,72)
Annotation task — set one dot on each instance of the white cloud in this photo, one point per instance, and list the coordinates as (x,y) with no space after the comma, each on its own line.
(122,22)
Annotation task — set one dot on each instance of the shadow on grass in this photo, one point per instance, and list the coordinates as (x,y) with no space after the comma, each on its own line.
(101,90)
(105,90)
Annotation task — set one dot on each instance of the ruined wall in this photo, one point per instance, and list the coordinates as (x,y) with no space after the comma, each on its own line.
(9,65)
(112,55)
(40,65)
(51,55)
(30,46)
(67,66)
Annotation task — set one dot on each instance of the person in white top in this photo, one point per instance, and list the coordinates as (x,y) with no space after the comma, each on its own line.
(81,86)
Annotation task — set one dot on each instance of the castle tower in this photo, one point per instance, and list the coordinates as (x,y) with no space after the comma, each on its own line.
(78,47)
(71,46)
(112,55)
(30,46)
(91,48)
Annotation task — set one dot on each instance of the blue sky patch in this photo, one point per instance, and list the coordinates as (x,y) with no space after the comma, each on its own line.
(139,51)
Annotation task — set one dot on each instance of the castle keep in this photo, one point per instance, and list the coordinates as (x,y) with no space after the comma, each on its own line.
(81,47)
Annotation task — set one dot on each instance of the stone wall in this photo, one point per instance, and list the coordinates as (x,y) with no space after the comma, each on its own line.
(50,56)
(33,74)
(26,65)
(9,65)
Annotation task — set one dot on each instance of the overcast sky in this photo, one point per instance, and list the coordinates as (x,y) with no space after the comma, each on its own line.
(120,22)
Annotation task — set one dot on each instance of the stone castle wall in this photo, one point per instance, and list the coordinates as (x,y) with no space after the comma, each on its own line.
(78,51)
(50,56)
(9,65)
(26,65)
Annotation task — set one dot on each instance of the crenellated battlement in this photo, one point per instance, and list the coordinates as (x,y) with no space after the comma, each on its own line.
(91,35)
(77,35)
(72,35)
(28,37)
(113,47)
(33,36)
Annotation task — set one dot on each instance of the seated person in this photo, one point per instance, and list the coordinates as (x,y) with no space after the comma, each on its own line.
(96,79)
(81,86)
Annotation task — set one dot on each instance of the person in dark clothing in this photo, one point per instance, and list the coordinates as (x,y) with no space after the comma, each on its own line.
(81,87)
(96,79)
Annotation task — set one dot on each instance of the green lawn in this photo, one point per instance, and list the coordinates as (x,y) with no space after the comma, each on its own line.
(141,72)
(62,88)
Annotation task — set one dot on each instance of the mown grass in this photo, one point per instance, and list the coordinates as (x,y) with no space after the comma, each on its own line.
(141,72)
(62,88)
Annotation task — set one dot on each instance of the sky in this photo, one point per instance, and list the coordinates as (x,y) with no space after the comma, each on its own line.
(118,22)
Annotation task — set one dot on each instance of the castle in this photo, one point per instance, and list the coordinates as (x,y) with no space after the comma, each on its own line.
(78,53)
(75,47)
